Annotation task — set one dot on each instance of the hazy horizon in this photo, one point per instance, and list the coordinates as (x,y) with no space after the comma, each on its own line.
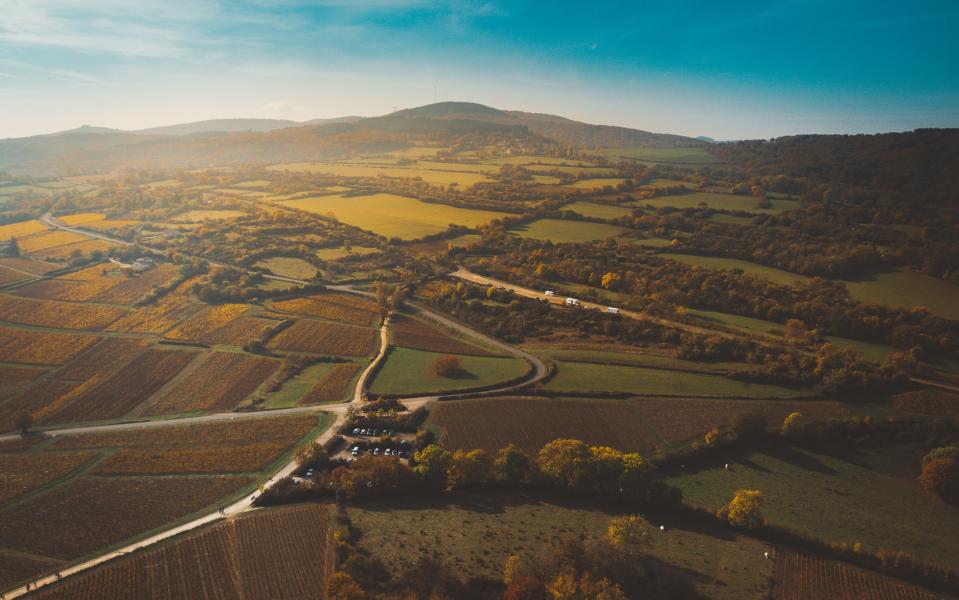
(756,70)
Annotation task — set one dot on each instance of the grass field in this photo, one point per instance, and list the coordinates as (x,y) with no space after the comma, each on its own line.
(718,201)
(433,177)
(408,371)
(341,252)
(599,211)
(737,321)
(908,289)
(730,219)
(596,184)
(717,262)
(564,230)
(587,377)
(475,533)
(296,387)
(683,156)
(193,216)
(868,496)
(633,359)
(660,183)
(394,216)
(285,266)
(871,352)
(441,246)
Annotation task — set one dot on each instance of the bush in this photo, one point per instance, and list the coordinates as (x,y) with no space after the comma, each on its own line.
(941,477)
(449,366)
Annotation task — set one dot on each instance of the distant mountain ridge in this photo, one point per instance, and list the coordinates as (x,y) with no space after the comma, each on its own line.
(238,141)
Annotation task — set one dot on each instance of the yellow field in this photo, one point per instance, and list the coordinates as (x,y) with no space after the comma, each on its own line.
(161,316)
(192,216)
(50,239)
(336,253)
(286,266)
(571,170)
(394,216)
(442,178)
(82,218)
(21,229)
(595,184)
(82,247)
(209,320)
(40,347)
(49,313)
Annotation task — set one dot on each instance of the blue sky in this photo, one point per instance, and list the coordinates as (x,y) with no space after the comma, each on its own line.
(729,70)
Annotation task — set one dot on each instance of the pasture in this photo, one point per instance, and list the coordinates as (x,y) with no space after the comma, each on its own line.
(285,266)
(596,184)
(474,533)
(599,211)
(718,262)
(341,252)
(868,496)
(295,388)
(659,183)
(696,155)
(568,231)
(587,378)
(908,289)
(433,177)
(408,371)
(719,202)
(391,216)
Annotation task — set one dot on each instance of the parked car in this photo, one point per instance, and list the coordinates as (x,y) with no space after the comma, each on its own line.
(376,452)
(550,293)
(612,310)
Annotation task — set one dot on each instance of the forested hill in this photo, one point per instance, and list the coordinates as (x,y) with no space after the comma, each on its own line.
(924,163)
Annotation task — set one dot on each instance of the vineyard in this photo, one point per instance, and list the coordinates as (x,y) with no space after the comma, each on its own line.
(21,229)
(23,472)
(160,316)
(94,284)
(333,387)
(41,347)
(16,567)
(9,275)
(45,241)
(220,381)
(90,513)
(932,403)
(531,423)
(347,308)
(12,379)
(36,401)
(224,324)
(248,458)
(276,553)
(113,352)
(82,248)
(411,333)
(50,313)
(321,337)
(804,577)
(126,388)
(37,267)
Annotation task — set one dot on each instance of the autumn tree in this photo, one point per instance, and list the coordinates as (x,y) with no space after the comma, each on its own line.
(432,464)
(512,465)
(744,510)
(340,586)
(611,281)
(448,366)
(941,477)
(567,462)
(628,534)
(792,423)
(468,469)
(942,452)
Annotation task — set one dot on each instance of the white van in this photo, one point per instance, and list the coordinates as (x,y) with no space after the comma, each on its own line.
(612,310)
(550,293)
(572,302)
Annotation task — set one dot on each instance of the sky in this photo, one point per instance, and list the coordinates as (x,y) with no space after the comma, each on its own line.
(719,68)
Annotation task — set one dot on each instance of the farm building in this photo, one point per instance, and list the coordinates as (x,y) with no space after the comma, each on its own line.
(144,263)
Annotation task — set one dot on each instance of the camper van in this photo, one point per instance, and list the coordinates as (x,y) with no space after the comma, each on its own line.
(550,293)
(572,302)
(612,310)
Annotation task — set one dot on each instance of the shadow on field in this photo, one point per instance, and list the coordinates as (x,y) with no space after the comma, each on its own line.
(801,459)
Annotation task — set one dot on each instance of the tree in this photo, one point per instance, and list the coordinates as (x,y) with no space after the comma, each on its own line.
(340,586)
(744,509)
(941,477)
(24,423)
(796,329)
(13,248)
(512,465)
(432,464)
(943,452)
(448,366)
(627,534)
(467,469)
(566,461)
(792,423)
(611,280)
(525,587)
(512,568)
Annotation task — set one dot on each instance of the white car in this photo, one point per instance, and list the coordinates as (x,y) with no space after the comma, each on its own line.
(550,293)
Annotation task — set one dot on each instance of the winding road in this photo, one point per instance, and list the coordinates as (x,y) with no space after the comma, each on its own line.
(537,372)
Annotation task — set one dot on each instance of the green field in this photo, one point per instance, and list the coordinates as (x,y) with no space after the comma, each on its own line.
(683,156)
(872,352)
(731,219)
(654,242)
(868,496)
(657,361)
(717,201)
(341,252)
(285,266)
(718,262)
(571,170)
(660,183)
(475,533)
(737,321)
(599,211)
(394,216)
(546,160)
(430,176)
(294,389)
(564,230)
(408,371)
(595,184)
(586,377)
(908,289)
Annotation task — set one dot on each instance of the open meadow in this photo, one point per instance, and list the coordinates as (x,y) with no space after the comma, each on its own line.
(568,231)
(718,202)
(391,216)
(408,371)
(718,262)
(599,211)
(908,289)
